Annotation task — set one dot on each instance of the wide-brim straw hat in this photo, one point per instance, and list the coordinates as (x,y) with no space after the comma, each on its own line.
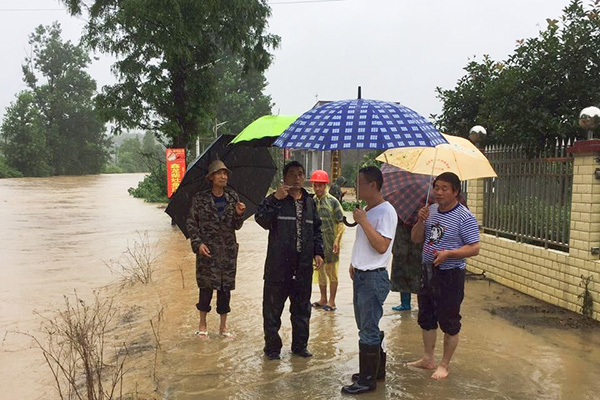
(215,166)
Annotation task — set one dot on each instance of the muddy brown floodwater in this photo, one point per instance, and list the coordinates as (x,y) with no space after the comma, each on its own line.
(56,234)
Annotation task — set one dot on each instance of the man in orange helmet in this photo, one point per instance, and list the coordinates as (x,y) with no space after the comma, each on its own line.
(330,211)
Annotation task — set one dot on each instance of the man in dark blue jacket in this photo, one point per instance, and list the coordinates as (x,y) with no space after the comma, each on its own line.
(295,239)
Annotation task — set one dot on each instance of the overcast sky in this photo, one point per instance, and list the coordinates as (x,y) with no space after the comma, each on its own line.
(397,50)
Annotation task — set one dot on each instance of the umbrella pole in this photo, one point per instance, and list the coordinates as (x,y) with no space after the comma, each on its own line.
(431,177)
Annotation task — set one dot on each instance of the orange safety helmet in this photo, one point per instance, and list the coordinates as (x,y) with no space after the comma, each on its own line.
(319,176)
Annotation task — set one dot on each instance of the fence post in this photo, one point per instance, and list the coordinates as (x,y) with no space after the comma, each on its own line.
(584,241)
(585,203)
(475,198)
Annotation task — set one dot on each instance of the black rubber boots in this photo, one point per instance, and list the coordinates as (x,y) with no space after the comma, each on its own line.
(382,361)
(369,356)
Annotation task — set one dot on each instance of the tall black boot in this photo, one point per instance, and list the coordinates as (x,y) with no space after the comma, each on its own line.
(369,364)
(382,357)
(382,360)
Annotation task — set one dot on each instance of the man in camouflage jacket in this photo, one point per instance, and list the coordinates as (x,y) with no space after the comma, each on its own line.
(214,217)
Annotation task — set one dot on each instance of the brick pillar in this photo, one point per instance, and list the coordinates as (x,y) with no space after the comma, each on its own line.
(585,204)
(475,198)
(585,222)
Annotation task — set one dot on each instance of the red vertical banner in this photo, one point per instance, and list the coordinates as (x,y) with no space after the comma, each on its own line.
(287,154)
(175,169)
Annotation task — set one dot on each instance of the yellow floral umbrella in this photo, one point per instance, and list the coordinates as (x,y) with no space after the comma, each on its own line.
(459,155)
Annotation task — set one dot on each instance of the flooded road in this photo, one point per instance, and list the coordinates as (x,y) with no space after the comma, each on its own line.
(56,234)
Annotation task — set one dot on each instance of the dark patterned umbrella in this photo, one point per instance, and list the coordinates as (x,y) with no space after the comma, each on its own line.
(252,170)
(405,191)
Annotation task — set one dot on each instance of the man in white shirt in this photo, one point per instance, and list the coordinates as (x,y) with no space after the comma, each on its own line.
(371,255)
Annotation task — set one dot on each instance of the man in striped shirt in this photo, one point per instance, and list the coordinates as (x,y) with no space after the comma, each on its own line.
(450,234)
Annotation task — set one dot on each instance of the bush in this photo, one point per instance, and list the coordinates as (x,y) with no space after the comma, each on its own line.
(6,171)
(111,169)
(153,188)
(138,261)
(74,343)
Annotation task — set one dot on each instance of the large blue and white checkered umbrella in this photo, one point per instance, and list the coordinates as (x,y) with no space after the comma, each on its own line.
(359,124)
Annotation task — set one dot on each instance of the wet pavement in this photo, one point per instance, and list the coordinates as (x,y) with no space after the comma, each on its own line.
(56,234)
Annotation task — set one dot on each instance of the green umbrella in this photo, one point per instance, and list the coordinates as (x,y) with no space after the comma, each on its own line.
(263,131)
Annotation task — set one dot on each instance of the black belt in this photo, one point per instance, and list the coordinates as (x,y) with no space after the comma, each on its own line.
(371,270)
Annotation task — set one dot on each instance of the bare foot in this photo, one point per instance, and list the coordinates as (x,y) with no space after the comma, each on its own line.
(423,364)
(440,373)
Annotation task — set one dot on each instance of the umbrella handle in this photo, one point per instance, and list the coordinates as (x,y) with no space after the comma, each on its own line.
(350,224)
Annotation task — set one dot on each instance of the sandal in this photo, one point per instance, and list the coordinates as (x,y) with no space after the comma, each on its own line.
(228,335)
(327,307)
(317,305)
(202,334)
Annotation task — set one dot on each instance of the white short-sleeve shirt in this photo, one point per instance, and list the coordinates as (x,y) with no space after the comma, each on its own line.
(384,219)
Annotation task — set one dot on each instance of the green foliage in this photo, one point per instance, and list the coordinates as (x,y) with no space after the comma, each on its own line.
(369,159)
(461,105)
(241,101)
(532,219)
(24,145)
(240,96)
(52,128)
(129,156)
(351,205)
(587,302)
(8,172)
(154,186)
(350,171)
(537,93)
(168,52)
(111,169)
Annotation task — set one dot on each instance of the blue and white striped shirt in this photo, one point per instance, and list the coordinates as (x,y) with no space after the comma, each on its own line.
(449,230)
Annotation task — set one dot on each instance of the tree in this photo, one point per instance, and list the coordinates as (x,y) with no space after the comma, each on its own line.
(537,94)
(134,155)
(24,141)
(152,149)
(129,156)
(7,171)
(240,98)
(167,53)
(53,129)
(460,110)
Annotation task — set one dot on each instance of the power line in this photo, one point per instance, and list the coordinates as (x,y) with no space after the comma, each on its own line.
(30,9)
(305,1)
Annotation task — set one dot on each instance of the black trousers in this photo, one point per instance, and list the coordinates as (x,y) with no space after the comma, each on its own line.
(274,297)
(223,299)
(440,298)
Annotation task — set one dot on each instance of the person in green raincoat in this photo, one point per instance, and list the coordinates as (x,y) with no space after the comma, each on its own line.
(331,213)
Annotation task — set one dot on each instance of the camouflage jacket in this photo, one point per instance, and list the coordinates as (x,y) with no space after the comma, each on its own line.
(218,234)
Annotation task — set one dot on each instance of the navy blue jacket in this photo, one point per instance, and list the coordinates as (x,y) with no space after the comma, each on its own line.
(279,218)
